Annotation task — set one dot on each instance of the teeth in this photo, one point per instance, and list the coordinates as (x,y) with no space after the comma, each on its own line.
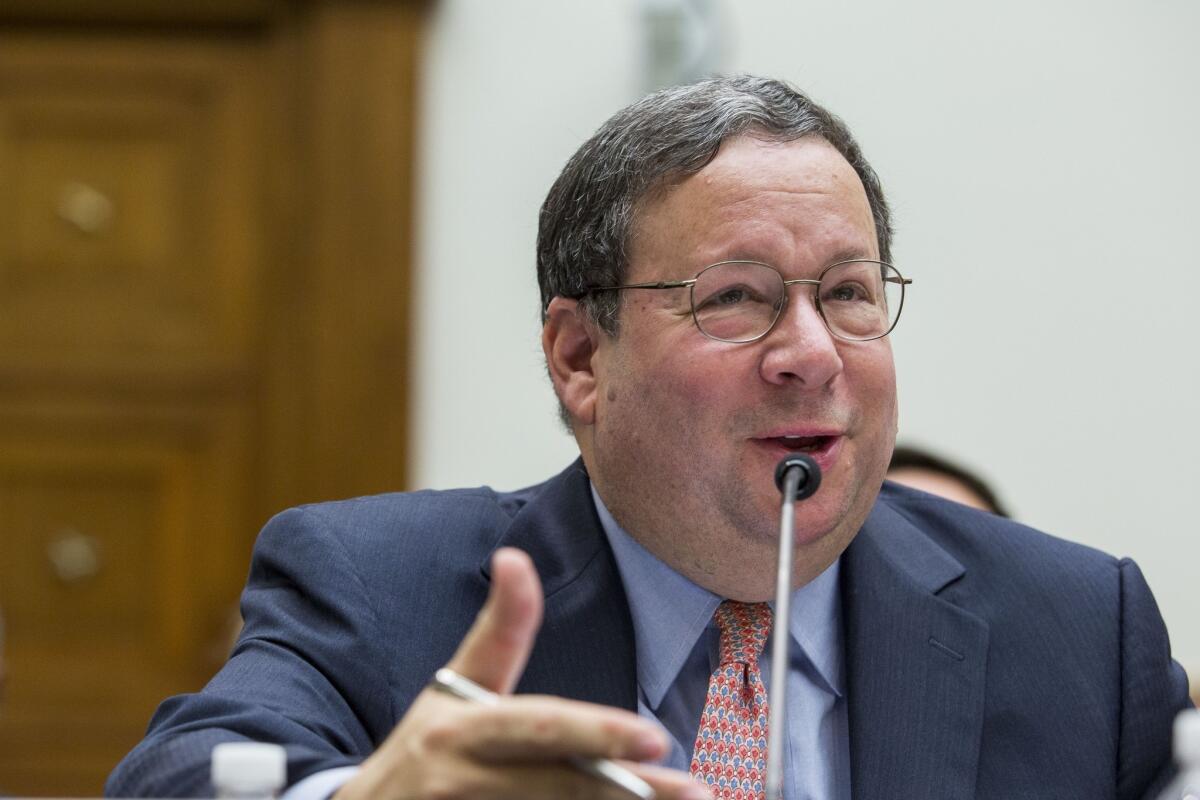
(801,443)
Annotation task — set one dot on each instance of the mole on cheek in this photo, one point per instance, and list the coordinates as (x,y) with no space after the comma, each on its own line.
(611,395)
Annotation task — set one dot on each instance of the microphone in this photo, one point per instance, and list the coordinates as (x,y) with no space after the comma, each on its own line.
(809,479)
(797,477)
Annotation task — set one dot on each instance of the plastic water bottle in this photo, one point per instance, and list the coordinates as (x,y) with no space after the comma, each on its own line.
(1187,756)
(248,770)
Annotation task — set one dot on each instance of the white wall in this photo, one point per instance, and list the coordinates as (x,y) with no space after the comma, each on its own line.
(1042,159)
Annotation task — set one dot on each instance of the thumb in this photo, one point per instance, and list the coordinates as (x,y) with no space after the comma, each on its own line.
(494,651)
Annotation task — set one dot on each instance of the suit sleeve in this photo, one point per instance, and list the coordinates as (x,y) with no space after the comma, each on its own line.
(1154,689)
(299,676)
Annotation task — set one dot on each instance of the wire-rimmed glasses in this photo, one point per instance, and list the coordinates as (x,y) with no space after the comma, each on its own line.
(740,301)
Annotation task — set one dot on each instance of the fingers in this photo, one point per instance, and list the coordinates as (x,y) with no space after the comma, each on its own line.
(669,784)
(541,729)
(556,782)
(495,650)
(520,747)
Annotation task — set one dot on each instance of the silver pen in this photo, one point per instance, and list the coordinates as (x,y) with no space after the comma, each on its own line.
(450,682)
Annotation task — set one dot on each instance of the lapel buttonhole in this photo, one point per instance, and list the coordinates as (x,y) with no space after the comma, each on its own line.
(935,644)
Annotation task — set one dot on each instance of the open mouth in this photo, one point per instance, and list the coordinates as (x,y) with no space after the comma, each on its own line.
(804,444)
(824,448)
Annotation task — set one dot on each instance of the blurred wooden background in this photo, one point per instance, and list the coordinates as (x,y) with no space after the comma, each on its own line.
(205,236)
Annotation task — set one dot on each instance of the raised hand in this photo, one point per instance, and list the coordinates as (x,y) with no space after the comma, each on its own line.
(446,748)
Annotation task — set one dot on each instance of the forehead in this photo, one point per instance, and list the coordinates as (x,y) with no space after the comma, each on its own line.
(809,161)
(758,194)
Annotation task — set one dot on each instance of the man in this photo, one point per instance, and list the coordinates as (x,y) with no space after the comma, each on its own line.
(715,295)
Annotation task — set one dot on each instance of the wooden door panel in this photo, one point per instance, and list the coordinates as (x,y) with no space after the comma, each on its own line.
(205,229)
(77,540)
(116,573)
(131,188)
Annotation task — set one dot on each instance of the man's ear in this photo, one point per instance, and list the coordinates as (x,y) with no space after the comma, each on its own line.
(569,340)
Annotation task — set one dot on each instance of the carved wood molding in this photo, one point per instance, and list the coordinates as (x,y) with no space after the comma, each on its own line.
(219,13)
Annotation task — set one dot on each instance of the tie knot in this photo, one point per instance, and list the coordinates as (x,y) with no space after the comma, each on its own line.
(744,628)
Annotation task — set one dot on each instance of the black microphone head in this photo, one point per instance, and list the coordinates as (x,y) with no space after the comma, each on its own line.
(810,474)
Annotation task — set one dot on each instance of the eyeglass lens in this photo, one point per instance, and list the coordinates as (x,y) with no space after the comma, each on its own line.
(738,301)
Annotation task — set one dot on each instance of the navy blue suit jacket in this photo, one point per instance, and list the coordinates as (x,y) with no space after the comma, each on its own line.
(983,659)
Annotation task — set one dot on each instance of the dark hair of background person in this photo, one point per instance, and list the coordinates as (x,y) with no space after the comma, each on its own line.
(908,457)
(586,221)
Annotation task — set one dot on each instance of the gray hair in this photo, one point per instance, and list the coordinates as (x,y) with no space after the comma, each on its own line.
(586,221)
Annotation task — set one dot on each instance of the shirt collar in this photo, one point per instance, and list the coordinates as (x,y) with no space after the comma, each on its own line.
(670,613)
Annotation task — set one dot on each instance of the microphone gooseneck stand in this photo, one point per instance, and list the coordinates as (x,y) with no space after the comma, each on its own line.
(797,477)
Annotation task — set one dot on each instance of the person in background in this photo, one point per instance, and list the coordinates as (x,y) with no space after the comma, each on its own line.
(716,293)
(921,469)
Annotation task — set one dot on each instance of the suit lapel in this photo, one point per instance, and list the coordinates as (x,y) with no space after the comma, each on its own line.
(915,665)
(585,648)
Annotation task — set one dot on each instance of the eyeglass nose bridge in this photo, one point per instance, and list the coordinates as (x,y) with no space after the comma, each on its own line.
(785,300)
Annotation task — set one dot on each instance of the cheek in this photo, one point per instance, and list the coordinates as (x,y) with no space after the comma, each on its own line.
(668,396)
(665,402)
(874,382)
(871,373)
(882,393)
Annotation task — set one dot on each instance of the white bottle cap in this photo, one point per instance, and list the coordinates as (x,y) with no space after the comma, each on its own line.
(1187,738)
(249,768)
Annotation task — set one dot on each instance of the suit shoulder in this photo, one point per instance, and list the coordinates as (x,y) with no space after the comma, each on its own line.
(422,505)
(977,537)
(405,524)
(1046,601)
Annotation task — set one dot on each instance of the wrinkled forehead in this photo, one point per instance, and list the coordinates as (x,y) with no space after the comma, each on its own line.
(749,179)
(762,163)
(670,180)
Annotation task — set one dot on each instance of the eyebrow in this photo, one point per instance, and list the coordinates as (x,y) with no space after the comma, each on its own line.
(851,254)
(845,254)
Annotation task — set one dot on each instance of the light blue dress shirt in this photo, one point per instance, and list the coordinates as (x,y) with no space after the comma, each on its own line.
(677,650)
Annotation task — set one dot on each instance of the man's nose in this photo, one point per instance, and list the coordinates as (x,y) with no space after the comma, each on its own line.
(800,348)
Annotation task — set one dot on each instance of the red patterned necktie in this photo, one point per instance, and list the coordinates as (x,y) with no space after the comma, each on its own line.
(730,756)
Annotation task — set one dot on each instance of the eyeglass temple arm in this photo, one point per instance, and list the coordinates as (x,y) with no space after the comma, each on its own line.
(691,281)
(657,285)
